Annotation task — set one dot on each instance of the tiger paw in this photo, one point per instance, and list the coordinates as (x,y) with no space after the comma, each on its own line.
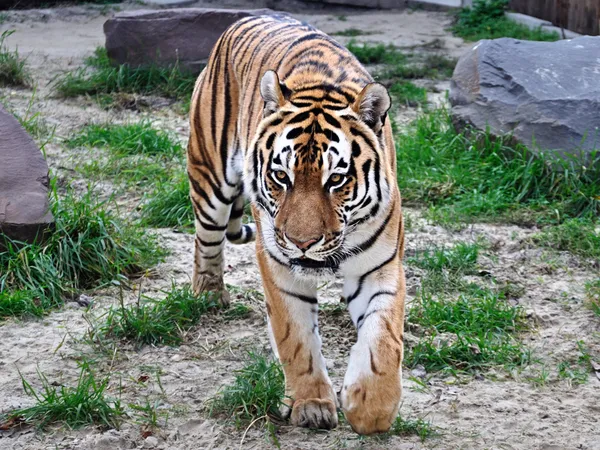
(368,409)
(314,413)
(214,289)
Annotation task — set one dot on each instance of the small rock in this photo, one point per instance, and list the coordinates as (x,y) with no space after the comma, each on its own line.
(150,442)
(419,371)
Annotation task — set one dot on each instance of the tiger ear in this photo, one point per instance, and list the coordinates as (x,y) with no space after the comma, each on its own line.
(273,92)
(372,105)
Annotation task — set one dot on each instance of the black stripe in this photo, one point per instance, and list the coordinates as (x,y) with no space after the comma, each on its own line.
(369,242)
(304,298)
(201,192)
(210,227)
(331,120)
(234,236)
(300,117)
(364,276)
(236,213)
(273,257)
(210,243)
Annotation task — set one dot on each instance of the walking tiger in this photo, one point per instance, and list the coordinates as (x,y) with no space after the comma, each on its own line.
(287,117)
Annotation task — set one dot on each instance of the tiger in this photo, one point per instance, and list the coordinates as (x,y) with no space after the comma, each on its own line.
(287,118)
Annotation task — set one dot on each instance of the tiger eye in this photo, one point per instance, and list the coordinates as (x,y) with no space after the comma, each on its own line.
(280,175)
(335,178)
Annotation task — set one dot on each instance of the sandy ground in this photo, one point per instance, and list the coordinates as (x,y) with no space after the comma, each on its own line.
(495,411)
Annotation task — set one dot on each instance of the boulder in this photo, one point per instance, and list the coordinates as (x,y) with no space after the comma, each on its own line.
(24,213)
(164,37)
(547,94)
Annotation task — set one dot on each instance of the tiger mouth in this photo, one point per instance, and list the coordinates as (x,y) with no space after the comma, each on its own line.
(308,263)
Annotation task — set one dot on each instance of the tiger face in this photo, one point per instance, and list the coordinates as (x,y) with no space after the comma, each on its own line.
(317,170)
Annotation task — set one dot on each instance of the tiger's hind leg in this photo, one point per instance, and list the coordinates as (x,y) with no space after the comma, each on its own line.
(237,232)
(211,219)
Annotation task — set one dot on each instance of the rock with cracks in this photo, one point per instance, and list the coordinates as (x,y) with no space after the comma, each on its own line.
(24,212)
(546,94)
(164,37)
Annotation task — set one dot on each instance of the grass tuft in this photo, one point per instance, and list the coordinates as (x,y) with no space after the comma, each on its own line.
(155,322)
(576,371)
(486,20)
(131,171)
(466,176)
(412,427)
(460,259)
(84,404)
(99,78)
(352,32)
(126,140)
(89,248)
(256,392)
(592,290)
(407,93)
(471,333)
(12,67)
(169,205)
(376,53)
(578,236)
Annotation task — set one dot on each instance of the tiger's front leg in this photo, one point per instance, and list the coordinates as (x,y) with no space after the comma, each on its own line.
(292,315)
(372,389)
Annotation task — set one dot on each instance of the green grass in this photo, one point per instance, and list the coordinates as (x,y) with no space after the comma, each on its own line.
(169,205)
(256,392)
(131,171)
(576,371)
(439,66)
(446,267)
(89,249)
(152,321)
(149,415)
(460,259)
(471,333)
(84,404)
(13,70)
(368,53)
(352,32)
(411,427)
(486,311)
(100,78)
(407,93)
(126,140)
(237,311)
(578,236)
(486,20)
(466,177)
(21,303)
(398,66)
(592,290)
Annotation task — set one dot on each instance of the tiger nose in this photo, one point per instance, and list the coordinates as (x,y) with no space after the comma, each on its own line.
(303,245)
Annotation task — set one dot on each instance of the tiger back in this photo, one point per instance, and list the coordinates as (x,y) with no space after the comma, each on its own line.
(287,117)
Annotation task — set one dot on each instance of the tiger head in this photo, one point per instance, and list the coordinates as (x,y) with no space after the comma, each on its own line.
(316,170)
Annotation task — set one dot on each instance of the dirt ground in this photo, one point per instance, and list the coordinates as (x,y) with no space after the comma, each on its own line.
(495,411)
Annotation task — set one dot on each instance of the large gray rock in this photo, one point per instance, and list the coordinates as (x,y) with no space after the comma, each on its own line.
(24,213)
(547,94)
(164,37)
